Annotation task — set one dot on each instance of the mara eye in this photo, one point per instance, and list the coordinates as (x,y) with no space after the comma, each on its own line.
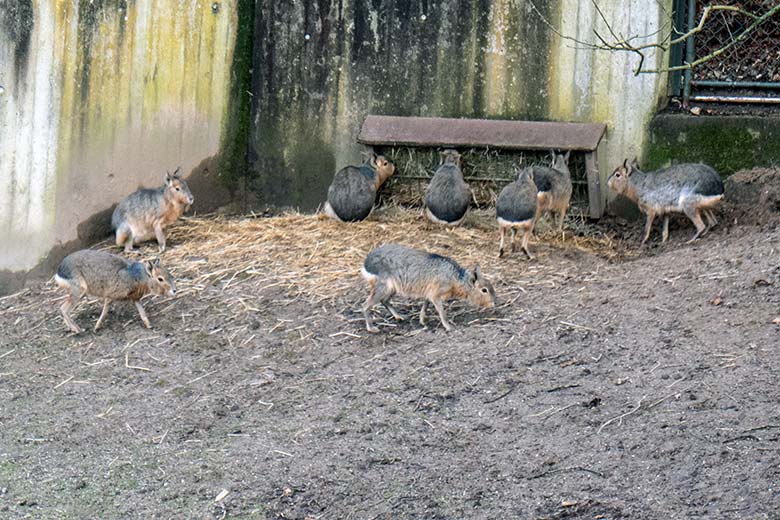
(178,189)
(484,290)
(159,279)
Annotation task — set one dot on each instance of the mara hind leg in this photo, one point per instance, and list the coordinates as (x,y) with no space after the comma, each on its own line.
(513,233)
(422,312)
(501,234)
(379,292)
(561,217)
(124,237)
(524,246)
(648,225)
(397,315)
(710,215)
(665,232)
(76,293)
(694,213)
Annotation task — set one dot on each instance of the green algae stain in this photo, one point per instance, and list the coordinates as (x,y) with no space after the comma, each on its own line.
(234,167)
(132,68)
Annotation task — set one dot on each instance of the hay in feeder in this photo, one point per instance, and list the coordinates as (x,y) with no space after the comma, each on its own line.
(486,170)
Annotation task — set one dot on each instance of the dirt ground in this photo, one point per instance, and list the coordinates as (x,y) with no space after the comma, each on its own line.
(610,382)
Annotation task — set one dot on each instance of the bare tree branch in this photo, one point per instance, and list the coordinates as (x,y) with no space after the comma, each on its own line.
(757,20)
(621,43)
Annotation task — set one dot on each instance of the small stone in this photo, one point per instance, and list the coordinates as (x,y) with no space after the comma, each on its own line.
(696,111)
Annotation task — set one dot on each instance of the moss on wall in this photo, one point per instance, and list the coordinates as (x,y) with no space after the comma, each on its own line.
(233,162)
(727,143)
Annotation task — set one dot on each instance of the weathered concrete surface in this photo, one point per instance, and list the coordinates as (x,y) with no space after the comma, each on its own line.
(322,65)
(727,143)
(98,99)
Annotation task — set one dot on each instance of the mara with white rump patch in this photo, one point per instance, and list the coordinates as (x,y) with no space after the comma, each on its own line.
(516,210)
(448,196)
(693,189)
(111,277)
(352,193)
(394,269)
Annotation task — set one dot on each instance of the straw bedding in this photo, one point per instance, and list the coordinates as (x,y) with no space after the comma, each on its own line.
(237,265)
(317,258)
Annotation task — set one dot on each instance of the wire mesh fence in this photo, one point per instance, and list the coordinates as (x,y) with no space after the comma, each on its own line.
(756,59)
(486,171)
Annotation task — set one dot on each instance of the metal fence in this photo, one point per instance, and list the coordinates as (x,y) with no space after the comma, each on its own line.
(753,63)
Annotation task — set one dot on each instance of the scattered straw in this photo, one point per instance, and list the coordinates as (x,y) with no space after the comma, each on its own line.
(315,257)
(229,266)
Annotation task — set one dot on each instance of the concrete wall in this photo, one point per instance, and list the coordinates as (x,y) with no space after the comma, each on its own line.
(321,65)
(100,97)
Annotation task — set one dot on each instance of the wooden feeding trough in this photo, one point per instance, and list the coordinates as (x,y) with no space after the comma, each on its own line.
(488,133)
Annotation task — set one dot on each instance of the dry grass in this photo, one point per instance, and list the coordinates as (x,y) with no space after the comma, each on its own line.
(225,265)
(312,256)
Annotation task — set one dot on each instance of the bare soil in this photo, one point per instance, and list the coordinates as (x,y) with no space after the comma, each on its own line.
(631,384)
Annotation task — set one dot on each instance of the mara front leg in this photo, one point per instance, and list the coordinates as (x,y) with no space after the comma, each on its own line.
(142,312)
(159,233)
(439,306)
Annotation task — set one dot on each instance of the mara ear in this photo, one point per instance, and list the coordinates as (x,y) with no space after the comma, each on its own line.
(149,265)
(635,162)
(372,157)
(476,274)
(156,262)
(369,157)
(177,173)
(566,157)
(552,156)
(168,177)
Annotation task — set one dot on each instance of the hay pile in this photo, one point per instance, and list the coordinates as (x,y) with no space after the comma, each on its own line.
(319,259)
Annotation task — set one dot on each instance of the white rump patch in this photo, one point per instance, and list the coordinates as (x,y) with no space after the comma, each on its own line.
(521,224)
(368,276)
(60,281)
(435,220)
(328,210)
